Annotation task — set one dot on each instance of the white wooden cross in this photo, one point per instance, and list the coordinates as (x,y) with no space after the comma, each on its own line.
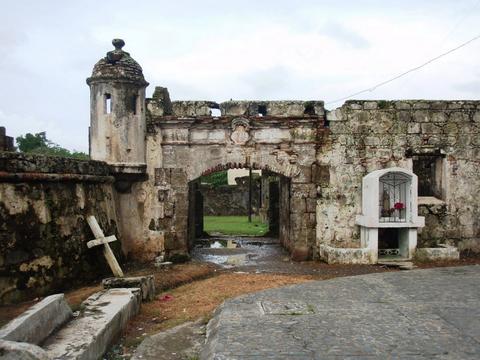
(102,240)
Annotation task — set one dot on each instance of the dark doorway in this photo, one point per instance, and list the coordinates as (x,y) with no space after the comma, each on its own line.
(274,209)
(388,242)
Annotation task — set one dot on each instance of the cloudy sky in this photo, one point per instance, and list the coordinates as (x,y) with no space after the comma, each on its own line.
(220,50)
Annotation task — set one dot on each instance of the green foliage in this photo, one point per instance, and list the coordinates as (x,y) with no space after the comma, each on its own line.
(39,144)
(234,225)
(383,104)
(216,179)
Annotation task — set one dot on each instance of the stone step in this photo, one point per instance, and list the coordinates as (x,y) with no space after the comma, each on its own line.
(102,317)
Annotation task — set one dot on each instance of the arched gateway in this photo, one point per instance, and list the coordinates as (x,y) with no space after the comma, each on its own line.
(159,148)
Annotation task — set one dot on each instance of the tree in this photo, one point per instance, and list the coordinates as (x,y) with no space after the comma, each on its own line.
(30,142)
(216,179)
(39,144)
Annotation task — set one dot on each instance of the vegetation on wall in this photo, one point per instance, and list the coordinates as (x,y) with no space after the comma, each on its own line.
(39,144)
(216,179)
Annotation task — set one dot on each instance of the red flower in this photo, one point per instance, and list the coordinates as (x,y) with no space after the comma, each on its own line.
(399,206)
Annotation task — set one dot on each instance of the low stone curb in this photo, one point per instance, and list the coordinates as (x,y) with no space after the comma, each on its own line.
(39,321)
(103,316)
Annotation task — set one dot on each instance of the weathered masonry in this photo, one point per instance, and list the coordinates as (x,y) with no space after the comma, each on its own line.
(367,180)
(429,151)
(160,149)
(44,203)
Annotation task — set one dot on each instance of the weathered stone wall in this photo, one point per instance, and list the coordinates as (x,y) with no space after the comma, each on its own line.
(230,199)
(44,202)
(184,142)
(369,135)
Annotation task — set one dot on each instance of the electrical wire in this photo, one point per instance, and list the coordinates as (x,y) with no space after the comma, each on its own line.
(373,88)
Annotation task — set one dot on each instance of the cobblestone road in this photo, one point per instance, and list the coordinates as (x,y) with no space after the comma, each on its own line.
(421,314)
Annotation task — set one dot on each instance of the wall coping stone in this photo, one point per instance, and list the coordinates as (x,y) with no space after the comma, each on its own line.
(12,162)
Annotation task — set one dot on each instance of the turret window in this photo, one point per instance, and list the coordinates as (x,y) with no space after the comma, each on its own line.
(108,103)
(133,104)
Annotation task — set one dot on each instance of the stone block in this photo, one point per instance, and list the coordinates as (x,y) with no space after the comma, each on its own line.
(336,115)
(421,116)
(423,105)
(234,108)
(429,128)
(413,128)
(192,108)
(370,105)
(146,284)
(311,205)
(39,321)
(321,174)
(354,106)
(286,108)
(402,105)
(305,175)
(332,255)
(435,254)
(178,177)
(404,116)
(297,205)
(12,350)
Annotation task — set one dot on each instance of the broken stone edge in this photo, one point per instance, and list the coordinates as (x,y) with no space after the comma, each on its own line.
(39,321)
(146,284)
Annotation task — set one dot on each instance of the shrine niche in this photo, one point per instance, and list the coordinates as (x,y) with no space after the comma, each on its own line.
(394,189)
(389,219)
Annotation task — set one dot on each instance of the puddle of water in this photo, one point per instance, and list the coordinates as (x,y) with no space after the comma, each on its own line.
(236,251)
(236,260)
(218,244)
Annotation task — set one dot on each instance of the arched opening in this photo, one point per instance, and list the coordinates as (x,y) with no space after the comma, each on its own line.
(239,210)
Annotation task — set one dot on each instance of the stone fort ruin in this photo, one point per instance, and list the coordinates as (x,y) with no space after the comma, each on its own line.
(349,180)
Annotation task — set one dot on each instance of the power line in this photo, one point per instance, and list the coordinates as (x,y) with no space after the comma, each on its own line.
(462,19)
(373,88)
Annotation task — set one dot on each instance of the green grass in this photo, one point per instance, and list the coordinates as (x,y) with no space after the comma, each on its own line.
(234,225)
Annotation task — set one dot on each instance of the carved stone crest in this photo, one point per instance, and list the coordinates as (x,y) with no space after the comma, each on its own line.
(240,134)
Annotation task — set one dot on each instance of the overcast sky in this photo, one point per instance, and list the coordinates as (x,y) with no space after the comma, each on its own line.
(221,50)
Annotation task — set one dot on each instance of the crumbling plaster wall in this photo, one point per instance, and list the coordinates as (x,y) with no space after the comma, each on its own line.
(112,136)
(369,135)
(44,202)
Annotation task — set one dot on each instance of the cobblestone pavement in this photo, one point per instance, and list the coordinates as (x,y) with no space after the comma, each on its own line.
(420,314)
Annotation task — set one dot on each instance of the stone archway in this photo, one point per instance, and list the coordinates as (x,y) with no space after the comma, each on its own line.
(181,149)
(276,211)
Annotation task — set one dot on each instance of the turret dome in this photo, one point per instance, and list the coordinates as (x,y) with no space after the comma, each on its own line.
(117,65)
